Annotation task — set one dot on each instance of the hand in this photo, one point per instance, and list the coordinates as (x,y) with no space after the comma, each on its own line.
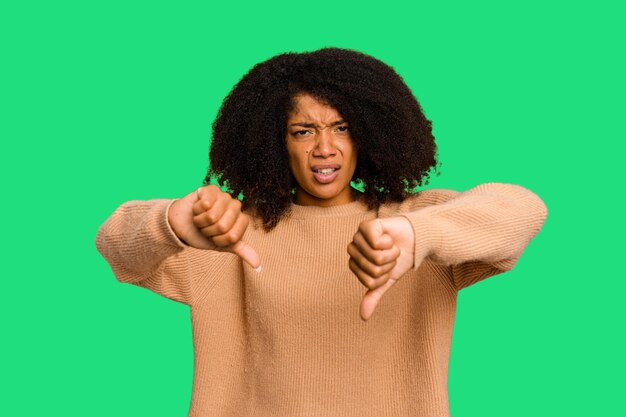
(209,218)
(380,253)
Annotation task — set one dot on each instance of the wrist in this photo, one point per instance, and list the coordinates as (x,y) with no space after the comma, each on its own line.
(172,213)
(426,235)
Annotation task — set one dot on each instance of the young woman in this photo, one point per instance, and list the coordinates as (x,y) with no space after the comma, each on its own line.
(321,284)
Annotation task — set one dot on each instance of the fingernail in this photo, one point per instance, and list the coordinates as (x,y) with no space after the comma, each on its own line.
(258,269)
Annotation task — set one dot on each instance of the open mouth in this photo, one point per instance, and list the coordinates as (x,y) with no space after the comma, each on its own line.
(325,171)
(325,174)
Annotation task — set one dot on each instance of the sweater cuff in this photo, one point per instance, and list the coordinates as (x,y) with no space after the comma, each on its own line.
(157,233)
(428,237)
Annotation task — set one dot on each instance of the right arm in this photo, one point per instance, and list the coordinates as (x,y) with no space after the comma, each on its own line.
(147,243)
(141,248)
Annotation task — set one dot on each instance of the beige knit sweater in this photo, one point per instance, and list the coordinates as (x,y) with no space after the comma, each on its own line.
(288,341)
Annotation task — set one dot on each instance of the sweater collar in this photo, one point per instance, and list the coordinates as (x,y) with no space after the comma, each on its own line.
(348,209)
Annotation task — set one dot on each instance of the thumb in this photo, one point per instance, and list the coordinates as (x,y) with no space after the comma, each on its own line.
(248,254)
(372,298)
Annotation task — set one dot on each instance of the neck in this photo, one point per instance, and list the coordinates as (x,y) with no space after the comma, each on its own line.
(301,198)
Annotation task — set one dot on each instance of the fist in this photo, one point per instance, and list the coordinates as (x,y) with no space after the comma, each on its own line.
(381,251)
(209,218)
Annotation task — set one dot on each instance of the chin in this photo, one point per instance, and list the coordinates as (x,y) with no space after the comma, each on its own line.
(332,198)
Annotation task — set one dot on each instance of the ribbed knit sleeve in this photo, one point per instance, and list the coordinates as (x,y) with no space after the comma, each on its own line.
(142,249)
(479,232)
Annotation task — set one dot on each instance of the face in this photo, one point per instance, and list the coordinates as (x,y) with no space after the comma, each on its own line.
(322,155)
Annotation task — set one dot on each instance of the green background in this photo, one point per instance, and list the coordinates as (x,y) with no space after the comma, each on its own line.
(104,102)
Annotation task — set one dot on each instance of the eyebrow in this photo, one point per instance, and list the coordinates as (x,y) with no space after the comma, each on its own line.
(302,124)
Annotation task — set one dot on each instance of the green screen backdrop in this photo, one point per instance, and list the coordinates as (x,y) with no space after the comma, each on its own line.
(104,102)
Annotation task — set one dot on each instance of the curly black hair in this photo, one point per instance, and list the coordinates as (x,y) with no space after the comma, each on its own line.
(396,147)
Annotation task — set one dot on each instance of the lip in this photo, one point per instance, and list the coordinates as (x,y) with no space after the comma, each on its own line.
(325,178)
(335,166)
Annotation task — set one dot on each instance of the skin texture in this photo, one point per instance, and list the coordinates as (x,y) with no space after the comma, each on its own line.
(381,250)
(318,136)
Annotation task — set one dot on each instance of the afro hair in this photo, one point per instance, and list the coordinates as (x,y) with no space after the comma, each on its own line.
(396,147)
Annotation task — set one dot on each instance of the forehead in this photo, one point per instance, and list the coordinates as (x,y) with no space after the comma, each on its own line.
(307,108)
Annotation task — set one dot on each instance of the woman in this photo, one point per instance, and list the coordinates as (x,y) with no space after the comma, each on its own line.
(325,148)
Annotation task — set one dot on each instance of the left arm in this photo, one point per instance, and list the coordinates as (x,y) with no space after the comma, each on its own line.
(480,232)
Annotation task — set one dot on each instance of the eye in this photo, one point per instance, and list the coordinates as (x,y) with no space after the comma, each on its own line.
(300,132)
(343,129)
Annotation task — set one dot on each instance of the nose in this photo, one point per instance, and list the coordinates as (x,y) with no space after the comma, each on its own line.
(324,146)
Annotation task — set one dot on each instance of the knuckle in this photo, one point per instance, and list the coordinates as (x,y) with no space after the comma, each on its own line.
(207,192)
(212,218)
(381,281)
(232,236)
(221,227)
(377,271)
(204,204)
(372,284)
(225,197)
(378,258)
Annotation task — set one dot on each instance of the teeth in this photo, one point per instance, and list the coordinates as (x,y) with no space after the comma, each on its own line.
(325,170)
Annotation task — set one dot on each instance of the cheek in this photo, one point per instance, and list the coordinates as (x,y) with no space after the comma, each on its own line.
(297,162)
(349,152)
